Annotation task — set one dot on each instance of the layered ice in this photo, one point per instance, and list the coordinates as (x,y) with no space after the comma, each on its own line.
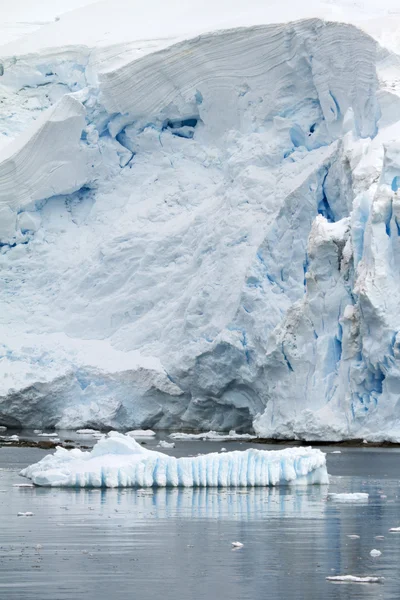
(120,461)
(200,230)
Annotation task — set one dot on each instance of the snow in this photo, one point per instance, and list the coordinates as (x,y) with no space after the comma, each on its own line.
(199,217)
(351,497)
(119,461)
(355,579)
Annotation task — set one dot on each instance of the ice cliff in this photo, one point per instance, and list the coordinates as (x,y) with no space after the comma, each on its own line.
(120,461)
(202,233)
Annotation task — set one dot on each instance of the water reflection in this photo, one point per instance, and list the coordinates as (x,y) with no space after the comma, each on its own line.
(196,503)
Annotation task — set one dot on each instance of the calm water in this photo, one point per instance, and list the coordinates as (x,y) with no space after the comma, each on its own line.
(176,544)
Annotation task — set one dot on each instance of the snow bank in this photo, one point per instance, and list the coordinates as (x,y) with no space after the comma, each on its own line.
(120,461)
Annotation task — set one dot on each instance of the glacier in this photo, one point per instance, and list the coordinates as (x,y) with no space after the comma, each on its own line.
(199,230)
(119,461)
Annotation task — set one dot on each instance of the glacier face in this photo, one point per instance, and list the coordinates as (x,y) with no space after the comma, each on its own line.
(120,461)
(203,234)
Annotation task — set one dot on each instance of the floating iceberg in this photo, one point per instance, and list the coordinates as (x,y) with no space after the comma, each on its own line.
(120,461)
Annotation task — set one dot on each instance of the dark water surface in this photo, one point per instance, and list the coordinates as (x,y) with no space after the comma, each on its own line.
(176,544)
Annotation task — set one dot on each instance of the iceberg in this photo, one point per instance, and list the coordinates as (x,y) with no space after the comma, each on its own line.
(120,461)
(199,221)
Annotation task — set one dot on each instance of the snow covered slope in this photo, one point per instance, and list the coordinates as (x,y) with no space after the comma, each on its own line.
(120,461)
(201,232)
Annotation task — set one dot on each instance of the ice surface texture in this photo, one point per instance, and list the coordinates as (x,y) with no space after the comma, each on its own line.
(211,241)
(120,461)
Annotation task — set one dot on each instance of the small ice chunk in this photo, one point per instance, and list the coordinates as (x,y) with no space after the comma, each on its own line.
(336,452)
(223,450)
(37,431)
(23,485)
(212,436)
(356,497)
(395,529)
(375,552)
(237,544)
(379,537)
(141,433)
(353,536)
(3,428)
(165,444)
(49,435)
(25,514)
(355,579)
(87,431)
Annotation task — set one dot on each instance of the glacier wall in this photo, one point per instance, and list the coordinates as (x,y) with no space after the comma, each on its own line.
(204,235)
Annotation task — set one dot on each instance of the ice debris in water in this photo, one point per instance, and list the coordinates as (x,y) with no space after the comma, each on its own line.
(395,529)
(355,579)
(49,435)
(25,514)
(353,536)
(336,452)
(141,433)
(87,431)
(23,485)
(375,552)
(237,544)
(356,497)
(165,444)
(120,461)
(212,436)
